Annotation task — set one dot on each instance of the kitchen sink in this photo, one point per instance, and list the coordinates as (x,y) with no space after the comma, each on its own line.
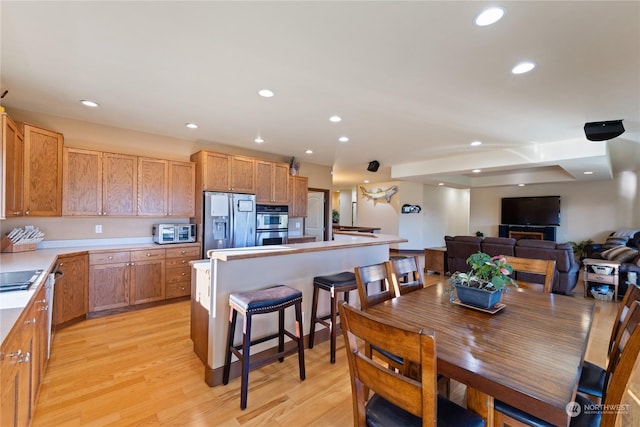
(18,280)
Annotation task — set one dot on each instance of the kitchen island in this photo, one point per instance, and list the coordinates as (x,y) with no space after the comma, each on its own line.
(244,269)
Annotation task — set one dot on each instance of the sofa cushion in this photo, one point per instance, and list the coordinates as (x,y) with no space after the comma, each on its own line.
(620,254)
(613,242)
(498,246)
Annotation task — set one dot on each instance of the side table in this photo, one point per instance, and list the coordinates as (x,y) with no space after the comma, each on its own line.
(435,259)
(600,272)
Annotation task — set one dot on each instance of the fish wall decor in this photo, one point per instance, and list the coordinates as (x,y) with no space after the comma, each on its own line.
(379,194)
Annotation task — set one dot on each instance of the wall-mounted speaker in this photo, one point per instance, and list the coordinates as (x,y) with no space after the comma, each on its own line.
(603,131)
(373,166)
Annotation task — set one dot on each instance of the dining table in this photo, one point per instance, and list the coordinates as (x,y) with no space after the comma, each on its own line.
(527,353)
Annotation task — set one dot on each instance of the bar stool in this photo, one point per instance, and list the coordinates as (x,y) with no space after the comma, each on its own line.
(334,283)
(276,298)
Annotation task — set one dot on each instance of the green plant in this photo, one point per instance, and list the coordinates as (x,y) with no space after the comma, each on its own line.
(580,248)
(335,216)
(489,273)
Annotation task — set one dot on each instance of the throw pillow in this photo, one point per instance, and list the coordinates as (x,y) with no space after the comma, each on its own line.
(620,254)
(636,261)
(613,242)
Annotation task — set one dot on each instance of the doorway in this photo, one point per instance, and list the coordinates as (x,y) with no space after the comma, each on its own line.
(317,214)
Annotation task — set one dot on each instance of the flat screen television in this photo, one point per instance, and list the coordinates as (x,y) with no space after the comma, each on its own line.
(544,210)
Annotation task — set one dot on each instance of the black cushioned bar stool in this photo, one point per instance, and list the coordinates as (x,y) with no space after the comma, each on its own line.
(276,298)
(334,283)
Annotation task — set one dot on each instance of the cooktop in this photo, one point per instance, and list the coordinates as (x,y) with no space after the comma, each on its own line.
(18,280)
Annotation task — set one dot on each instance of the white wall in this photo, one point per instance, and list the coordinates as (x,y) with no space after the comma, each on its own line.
(379,213)
(446,213)
(588,210)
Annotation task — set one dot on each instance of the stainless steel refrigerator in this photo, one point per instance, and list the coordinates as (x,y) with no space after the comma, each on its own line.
(229,220)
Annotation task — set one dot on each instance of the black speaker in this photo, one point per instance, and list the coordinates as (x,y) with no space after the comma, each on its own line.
(602,131)
(373,166)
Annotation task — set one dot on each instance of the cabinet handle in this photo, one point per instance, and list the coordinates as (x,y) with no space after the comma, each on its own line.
(25,358)
(16,353)
(45,308)
(148,254)
(110,257)
(184,274)
(30,321)
(42,301)
(133,263)
(184,261)
(60,264)
(183,252)
(27,213)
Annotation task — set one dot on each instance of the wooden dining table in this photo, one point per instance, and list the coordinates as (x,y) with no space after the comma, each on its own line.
(528,355)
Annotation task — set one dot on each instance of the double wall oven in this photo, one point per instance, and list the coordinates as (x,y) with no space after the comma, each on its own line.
(272,225)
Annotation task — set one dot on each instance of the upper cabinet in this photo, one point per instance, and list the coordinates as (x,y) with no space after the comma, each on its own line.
(298,190)
(166,188)
(272,182)
(42,172)
(97,183)
(12,174)
(224,172)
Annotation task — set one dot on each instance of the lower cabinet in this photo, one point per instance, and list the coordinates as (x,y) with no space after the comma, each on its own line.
(178,271)
(147,276)
(71,293)
(23,359)
(108,280)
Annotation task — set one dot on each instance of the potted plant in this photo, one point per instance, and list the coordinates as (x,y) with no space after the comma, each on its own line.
(294,166)
(580,249)
(483,285)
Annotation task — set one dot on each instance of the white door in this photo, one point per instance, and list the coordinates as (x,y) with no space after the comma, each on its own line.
(314,223)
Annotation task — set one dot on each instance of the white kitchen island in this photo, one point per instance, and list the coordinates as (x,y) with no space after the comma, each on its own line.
(243,269)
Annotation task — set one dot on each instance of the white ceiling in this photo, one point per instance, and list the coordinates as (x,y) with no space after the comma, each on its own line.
(415,82)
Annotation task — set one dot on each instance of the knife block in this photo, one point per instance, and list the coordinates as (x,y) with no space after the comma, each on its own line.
(7,246)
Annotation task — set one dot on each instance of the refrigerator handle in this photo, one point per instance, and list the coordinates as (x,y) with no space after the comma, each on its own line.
(232,223)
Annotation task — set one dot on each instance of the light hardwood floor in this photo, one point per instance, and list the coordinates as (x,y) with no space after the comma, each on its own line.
(138,368)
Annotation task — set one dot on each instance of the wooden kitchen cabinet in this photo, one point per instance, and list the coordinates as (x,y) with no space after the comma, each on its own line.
(224,172)
(42,172)
(108,280)
(70,298)
(178,270)
(13,150)
(147,276)
(243,175)
(272,182)
(298,191)
(40,323)
(97,183)
(166,188)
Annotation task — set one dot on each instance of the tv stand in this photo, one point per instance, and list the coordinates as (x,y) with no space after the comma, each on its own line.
(537,232)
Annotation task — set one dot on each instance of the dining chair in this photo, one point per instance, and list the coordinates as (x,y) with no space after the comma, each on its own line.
(397,399)
(593,378)
(543,267)
(621,364)
(405,274)
(374,284)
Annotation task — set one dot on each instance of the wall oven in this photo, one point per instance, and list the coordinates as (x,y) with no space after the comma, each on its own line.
(272,225)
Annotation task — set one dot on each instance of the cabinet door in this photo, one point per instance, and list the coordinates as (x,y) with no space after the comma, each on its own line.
(42,172)
(14,166)
(298,190)
(147,281)
(119,184)
(216,171)
(108,286)
(243,175)
(81,182)
(280,183)
(182,189)
(152,187)
(39,323)
(264,181)
(71,293)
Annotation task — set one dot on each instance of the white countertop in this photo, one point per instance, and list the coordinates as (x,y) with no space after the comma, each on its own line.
(13,303)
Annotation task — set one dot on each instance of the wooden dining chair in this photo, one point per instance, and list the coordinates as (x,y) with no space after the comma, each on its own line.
(542,267)
(621,365)
(397,399)
(374,284)
(405,275)
(593,378)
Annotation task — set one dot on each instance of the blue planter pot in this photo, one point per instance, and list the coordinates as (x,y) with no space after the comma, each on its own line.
(478,297)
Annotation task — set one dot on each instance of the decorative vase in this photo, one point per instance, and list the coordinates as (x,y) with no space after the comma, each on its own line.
(478,297)
(293,171)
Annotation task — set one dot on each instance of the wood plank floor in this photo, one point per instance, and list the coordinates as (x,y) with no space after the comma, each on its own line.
(138,368)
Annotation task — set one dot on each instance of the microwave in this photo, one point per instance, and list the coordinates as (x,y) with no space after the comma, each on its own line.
(174,233)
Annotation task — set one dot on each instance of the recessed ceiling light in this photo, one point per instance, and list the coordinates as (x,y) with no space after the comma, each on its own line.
(489,16)
(343,139)
(476,170)
(366,181)
(265,93)
(588,172)
(258,140)
(335,119)
(523,67)
(520,185)
(191,125)
(88,103)
(441,183)
(308,152)
(476,143)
